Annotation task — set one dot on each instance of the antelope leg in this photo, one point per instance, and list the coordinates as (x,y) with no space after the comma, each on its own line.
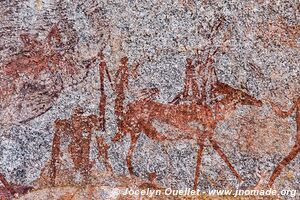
(130,153)
(293,153)
(103,152)
(6,184)
(225,158)
(54,156)
(199,159)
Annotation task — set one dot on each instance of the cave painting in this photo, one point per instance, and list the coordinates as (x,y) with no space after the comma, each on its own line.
(204,100)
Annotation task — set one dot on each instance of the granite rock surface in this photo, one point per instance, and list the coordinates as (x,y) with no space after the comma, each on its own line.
(97,96)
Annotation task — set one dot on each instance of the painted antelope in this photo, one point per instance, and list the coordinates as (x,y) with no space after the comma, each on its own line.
(296,148)
(140,114)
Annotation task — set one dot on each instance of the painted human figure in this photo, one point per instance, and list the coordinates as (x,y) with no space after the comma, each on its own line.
(79,128)
(190,84)
(209,79)
(102,104)
(121,82)
(81,138)
(190,81)
(206,71)
(296,148)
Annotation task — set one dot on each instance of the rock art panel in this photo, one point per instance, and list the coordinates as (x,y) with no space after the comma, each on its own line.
(149,100)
